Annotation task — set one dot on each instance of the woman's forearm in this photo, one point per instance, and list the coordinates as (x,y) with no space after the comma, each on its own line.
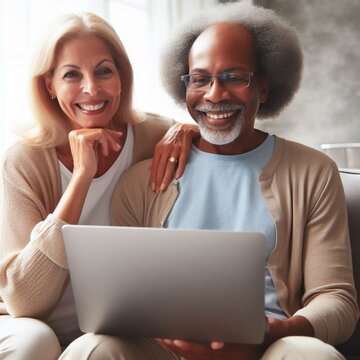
(72,202)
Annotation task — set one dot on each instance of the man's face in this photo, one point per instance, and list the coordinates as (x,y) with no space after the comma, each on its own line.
(225,110)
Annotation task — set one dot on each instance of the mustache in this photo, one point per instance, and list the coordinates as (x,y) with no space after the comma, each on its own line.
(218,107)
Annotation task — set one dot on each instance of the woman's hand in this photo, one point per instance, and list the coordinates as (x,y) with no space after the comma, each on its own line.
(171,153)
(85,145)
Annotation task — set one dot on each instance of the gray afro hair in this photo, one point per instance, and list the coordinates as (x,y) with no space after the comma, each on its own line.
(277,49)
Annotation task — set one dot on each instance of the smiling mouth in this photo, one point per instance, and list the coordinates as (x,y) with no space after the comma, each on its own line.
(92,107)
(220,116)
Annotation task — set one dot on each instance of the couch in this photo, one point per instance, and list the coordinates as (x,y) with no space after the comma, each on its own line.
(351,183)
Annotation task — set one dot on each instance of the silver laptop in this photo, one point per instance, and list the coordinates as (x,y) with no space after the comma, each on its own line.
(197,285)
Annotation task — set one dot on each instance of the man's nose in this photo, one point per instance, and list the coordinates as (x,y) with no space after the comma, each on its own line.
(216,91)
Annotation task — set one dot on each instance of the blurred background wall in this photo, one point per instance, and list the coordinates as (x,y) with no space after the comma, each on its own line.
(327,107)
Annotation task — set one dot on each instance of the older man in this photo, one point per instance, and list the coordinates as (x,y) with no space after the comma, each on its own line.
(237,63)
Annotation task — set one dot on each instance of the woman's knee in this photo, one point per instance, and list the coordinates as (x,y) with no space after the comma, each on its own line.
(26,338)
(301,348)
(103,347)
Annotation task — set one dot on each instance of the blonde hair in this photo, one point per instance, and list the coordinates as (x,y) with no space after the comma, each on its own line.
(51,125)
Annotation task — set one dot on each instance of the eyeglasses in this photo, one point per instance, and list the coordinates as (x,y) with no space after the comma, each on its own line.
(234,80)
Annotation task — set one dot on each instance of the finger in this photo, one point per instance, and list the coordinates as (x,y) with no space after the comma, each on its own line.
(183,345)
(190,350)
(184,154)
(113,139)
(170,166)
(217,345)
(164,341)
(104,138)
(169,173)
(114,133)
(161,168)
(104,144)
(154,168)
(167,344)
(163,151)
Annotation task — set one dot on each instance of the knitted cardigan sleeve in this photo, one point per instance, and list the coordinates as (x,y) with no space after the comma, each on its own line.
(32,258)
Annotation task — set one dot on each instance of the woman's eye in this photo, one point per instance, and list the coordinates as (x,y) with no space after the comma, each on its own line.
(71,75)
(104,71)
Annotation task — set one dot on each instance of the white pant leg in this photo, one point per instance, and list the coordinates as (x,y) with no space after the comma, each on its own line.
(103,347)
(27,339)
(301,348)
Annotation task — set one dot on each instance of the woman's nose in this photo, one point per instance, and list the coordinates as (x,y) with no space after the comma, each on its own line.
(90,85)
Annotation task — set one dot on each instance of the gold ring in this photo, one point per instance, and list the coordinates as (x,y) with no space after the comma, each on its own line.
(173,159)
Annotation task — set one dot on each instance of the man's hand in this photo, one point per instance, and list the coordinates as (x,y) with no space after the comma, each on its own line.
(212,351)
(276,329)
(171,154)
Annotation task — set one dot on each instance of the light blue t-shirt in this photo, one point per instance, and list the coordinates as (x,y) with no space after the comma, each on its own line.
(222,192)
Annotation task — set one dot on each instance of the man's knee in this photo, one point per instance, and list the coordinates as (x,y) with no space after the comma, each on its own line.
(301,348)
(29,339)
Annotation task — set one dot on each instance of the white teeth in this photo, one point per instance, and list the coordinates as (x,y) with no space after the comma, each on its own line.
(219,116)
(92,107)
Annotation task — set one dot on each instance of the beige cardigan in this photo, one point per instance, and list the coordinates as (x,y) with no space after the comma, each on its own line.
(311,263)
(33,267)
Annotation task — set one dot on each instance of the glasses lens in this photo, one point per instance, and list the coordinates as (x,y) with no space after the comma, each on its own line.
(239,79)
(198,81)
(234,80)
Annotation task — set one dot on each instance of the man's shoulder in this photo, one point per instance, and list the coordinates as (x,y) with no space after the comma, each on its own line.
(293,160)
(137,174)
(133,186)
(304,154)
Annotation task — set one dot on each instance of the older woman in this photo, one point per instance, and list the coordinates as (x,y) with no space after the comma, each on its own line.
(64,171)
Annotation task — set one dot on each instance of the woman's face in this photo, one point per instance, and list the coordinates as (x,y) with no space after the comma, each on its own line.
(86,83)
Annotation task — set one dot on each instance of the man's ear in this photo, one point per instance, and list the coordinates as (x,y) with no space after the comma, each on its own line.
(264,89)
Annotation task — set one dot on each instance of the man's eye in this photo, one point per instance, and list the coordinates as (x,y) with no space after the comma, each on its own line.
(236,78)
(199,79)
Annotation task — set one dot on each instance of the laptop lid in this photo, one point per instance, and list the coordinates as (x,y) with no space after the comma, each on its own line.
(196,285)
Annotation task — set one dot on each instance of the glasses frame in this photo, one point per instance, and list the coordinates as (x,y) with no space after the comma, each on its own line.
(207,87)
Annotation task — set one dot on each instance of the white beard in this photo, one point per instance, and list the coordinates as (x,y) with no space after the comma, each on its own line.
(221,136)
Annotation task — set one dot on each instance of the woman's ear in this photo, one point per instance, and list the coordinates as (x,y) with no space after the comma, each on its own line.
(49,86)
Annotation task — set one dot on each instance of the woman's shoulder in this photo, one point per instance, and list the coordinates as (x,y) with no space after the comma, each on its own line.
(26,154)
